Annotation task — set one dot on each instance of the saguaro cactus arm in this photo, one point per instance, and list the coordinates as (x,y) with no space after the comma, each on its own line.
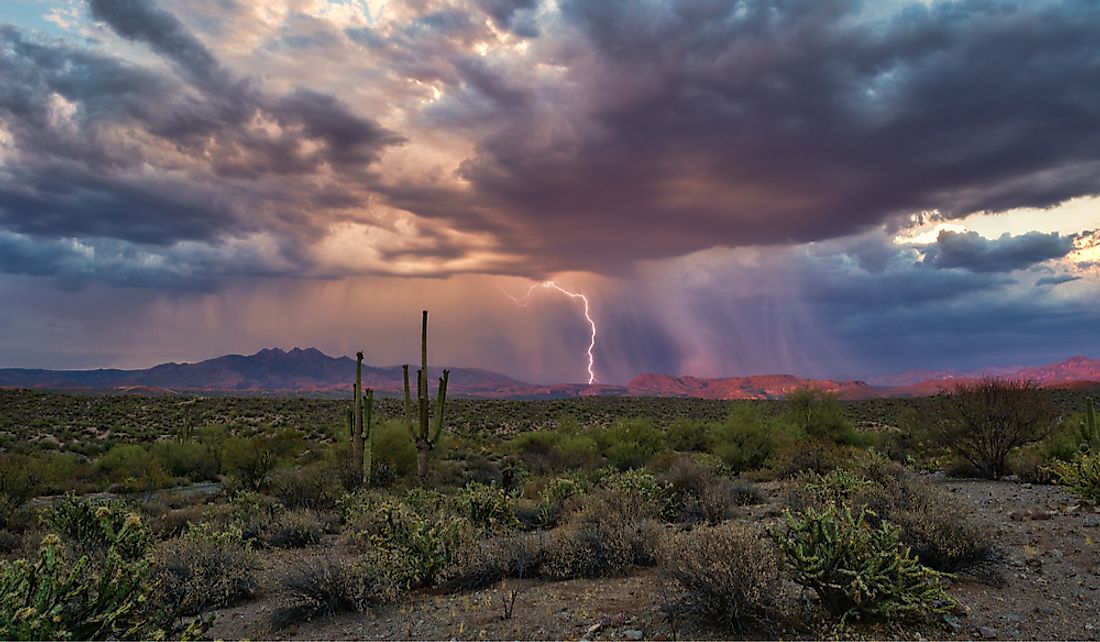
(408,404)
(439,407)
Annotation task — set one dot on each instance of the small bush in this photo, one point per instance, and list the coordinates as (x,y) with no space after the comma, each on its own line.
(205,569)
(607,534)
(314,487)
(487,507)
(553,499)
(818,414)
(329,587)
(393,450)
(746,439)
(248,460)
(296,529)
(810,455)
(1080,476)
(728,574)
(481,565)
(859,571)
(190,460)
(630,443)
(931,526)
(686,435)
(700,495)
(637,491)
(131,468)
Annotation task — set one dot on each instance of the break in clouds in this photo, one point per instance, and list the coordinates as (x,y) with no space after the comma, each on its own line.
(723,173)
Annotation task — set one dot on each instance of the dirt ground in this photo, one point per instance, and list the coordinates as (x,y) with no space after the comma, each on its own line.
(1051,590)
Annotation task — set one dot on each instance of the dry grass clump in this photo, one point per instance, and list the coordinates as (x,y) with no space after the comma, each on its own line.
(728,574)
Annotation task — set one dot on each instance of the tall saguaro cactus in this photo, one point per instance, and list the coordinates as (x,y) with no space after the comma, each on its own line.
(361,426)
(424,434)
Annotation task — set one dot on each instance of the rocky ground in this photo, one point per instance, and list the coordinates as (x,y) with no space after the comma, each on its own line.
(1050,589)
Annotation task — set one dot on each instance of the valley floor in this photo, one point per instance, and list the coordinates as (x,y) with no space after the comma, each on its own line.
(1051,589)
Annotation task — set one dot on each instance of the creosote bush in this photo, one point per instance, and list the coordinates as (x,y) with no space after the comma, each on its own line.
(728,574)
(859,571)
(206,568)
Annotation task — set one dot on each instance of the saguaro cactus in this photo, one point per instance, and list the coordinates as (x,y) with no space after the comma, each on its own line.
(357,414)
(361,426)
(424,434)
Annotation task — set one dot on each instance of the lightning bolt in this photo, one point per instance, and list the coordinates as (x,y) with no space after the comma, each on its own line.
(525,299)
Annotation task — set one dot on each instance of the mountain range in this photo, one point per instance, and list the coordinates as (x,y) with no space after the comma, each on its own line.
(309,371)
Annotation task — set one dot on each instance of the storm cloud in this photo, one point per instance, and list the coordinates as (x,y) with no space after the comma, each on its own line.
(739,182)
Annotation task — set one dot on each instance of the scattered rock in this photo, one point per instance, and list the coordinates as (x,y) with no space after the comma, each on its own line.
(1056,555)
(1092,521)
(592,631)
(952,621)
(632,634)
(987,633)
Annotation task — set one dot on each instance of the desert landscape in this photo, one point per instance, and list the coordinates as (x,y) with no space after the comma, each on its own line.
(549,320)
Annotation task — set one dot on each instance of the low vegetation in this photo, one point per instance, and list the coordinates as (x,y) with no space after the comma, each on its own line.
(542,492)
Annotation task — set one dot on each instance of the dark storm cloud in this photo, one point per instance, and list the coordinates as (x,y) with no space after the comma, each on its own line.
(971,251)
(910,314)
(117,153)
(695,123)
(1057,279)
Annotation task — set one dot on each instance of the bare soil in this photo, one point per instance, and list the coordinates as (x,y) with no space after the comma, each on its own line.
(1050,590)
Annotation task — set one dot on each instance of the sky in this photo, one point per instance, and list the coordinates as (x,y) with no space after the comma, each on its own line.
(829,188)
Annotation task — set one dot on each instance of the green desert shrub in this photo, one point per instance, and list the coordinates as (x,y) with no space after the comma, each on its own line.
(746,438)
(687,435)
(131,468)
(487,507)
(630,443)
(728,574)
(640,490)
(819,414)
(394,453)
(1080,475)
(315,486)
(811,455)
(857,570)
(206,568)
(553,498)
(190,460)
(249,460)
